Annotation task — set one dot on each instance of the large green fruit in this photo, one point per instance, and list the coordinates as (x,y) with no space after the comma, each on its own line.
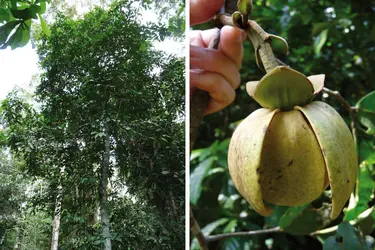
(288,152)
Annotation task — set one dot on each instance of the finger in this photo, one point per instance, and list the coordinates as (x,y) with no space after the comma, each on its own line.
(214,106)
(231,44)
(221,92)
(201,38)
(231,41)
(214,61)
(203,10)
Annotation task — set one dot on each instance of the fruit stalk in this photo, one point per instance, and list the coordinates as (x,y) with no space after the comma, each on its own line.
(260,40)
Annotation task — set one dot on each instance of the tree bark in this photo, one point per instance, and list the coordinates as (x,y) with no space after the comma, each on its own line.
(57,215)
(103,197)
(93,215)
(17,240)
(2,238)
(173,205)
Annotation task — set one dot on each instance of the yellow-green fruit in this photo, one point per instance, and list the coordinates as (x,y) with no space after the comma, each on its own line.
(290,150)
(289,156)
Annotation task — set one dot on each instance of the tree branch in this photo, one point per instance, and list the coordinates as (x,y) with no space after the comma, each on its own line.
(248,233)
(346,105)
(194,227)
(365,214)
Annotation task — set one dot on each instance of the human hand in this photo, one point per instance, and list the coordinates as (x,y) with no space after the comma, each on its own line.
(214,71)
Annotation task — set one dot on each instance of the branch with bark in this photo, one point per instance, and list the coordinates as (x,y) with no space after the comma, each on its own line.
(351,110)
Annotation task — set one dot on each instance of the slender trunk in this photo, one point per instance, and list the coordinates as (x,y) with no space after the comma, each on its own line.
(103,199)
(57,215)
(174,209)
(17,241)
(2,239)
(91,217)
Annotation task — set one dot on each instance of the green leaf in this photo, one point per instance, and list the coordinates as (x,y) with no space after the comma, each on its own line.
(332,243)
(26,14)
(196,153)
(5,30)
(3,139)
(235,243)
(24,37)
(364,191)
(309,220)
(5,15)
(231,226)
(232,243)
(13,3)
(320,40)
(274,219)
(366,112)
(291,215)
(43,7)
(367,223)
(215,171)
(231,201)
(196,178)
(319,27)
(347,238)
(223,146)
(45,28)
(366,149)
(207,151)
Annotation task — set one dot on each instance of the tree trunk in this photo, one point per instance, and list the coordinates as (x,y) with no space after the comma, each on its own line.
(57,215)
(173,205)
(2,238)
(103,199)
(17,240)
(91,218)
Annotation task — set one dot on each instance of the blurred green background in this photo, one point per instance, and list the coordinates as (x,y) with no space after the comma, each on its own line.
(335,38)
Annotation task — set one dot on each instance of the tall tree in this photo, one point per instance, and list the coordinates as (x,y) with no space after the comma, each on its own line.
(109,126)
(101,87)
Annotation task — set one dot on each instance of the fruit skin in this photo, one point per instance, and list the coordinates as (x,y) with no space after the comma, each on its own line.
(288,157)
(338,149)
(244,153)
(293,146)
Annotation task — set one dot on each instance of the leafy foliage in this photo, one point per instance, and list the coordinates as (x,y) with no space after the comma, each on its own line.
(16,17)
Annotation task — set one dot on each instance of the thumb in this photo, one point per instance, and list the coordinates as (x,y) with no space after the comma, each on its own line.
(203,10)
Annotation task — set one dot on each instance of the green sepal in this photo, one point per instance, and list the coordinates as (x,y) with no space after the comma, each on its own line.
(237,19)
(279,44)
(282,88)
